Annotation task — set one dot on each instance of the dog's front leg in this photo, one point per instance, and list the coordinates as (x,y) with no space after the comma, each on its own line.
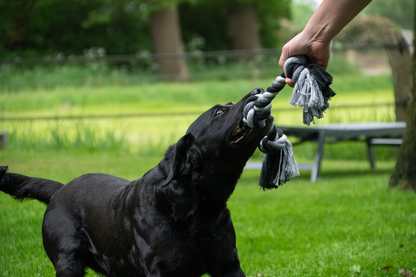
(228,269)
(223,250)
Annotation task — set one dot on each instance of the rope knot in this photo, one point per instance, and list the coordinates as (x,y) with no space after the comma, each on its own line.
(311,91)
(279,164)
(258,107)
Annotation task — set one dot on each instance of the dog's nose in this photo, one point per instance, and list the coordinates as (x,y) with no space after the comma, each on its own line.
(257,91)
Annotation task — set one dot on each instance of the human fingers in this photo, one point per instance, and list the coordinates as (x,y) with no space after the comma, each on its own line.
(320,53)
(289,82)
(283,57)
(295,46)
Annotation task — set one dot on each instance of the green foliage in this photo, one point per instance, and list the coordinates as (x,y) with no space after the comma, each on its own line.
(366,30)
(40,27)
(209,20)
(301,12)
(14,14)
(45,27)
(269,14)
(401,12)
(150,6)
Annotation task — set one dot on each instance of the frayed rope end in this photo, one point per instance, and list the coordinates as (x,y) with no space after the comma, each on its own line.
(279,164)
(311,91)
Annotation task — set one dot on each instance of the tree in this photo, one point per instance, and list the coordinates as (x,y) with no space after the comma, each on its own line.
(15,16)
(206,21)
(404,175)
(377,30)
(366,30)
(167,40)
(244,27)
(252,24)
(400,12)
(44,27)
(401,65)
(301,12)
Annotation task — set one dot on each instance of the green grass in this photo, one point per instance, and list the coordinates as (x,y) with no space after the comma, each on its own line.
(155,131)
(325,229)
(81,99)
(346,222)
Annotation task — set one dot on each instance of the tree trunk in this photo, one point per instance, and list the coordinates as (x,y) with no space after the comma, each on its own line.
(244,28)
(167,42)
(404,175)
(401,64)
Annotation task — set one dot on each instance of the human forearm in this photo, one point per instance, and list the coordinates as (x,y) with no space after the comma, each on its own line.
(331,17)
(327,21)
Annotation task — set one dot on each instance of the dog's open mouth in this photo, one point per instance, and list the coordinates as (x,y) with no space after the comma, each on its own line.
(238,133)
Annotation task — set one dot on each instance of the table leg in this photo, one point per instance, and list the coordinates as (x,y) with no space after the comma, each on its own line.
(316,170)
(371,155)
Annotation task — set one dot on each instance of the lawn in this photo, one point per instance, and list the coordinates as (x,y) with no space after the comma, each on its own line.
(347,224)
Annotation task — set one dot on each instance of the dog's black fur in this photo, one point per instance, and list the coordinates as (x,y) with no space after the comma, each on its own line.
(173,221)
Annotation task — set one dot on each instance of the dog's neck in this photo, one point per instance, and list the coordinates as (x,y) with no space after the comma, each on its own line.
(184,200)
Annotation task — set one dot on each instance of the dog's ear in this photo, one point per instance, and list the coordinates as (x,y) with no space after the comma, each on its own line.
(183,157)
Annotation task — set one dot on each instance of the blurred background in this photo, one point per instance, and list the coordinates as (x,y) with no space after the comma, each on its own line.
(141,71)
(107,85)
(139,41)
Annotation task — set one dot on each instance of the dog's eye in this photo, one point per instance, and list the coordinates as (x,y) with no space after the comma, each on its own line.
(219,112)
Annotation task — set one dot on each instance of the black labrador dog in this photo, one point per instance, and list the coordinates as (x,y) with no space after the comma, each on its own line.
(173,221)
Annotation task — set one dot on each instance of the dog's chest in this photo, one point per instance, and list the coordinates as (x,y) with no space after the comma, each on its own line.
(168,253)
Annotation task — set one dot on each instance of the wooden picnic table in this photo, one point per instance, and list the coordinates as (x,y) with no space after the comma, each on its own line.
(373,133)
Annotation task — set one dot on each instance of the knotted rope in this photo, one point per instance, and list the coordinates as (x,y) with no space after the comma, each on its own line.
(311,92)
(258,107)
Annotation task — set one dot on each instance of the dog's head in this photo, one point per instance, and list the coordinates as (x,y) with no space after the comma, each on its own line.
(221,136)
(217,145)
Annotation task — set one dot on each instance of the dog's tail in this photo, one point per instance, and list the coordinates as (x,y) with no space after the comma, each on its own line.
(21,187)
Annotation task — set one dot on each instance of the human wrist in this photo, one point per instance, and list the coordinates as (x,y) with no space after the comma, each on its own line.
(331,17)
(322,33)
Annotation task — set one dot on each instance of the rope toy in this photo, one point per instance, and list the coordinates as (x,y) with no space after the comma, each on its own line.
(279,164)
(311,92)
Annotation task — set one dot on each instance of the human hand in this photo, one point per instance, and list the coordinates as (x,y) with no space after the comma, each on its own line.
(317,51)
